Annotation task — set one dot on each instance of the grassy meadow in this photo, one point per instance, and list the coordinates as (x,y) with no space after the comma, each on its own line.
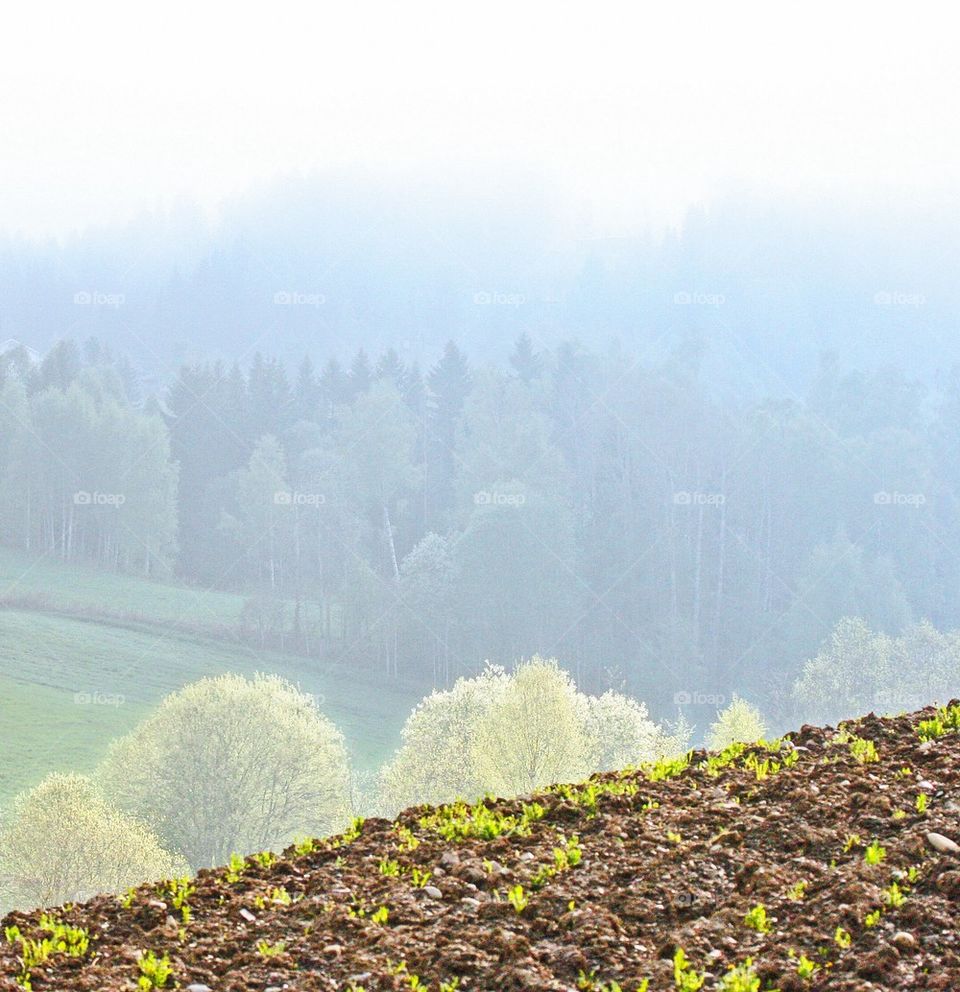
(84,655)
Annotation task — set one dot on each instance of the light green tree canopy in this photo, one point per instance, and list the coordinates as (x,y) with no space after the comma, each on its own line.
(739,722)
(232,764)
(514,733)
(62,841)
(858,670)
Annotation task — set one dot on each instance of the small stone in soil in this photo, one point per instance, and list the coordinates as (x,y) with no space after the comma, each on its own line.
(942,844)
(433,892)
(904,941)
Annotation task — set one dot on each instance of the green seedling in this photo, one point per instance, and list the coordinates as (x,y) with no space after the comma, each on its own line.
(741,978)
(685,976)
(517,898)
(154,972)
(757,920)
(874,853)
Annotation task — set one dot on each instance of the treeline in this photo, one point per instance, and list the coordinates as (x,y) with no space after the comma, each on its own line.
(84,474)
(613,512)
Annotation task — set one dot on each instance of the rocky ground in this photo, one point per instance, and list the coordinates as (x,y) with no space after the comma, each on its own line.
(825,861)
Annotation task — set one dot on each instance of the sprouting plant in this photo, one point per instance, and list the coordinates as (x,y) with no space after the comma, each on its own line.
(128,898)
(864,751)
(59,938)
(389,868)
(380,916)
(741,978)
(685,977)
(266,859)
(450,986)
(517,898)
(235,868)
(154,972)
(842,938)
(797,892)
(921,803)
(874,853)
(587,982)
(279,897)
(458,821)
(806,968)
(852,841)
(893,896)
(913,874)
(872,919)
(304,846)
(930,730)
(757,920)
(65,939)
(267,950)
(667,768)
(406,839)
(761,769)
(945,720)
(356,828)
(898,814)
(179,891)
(419,877)
(568,856)
(590,983)
(723,759)
(674,838)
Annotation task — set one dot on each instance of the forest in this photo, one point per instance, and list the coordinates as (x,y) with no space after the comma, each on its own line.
(661,539)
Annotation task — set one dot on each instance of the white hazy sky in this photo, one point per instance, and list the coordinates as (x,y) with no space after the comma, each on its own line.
(107,109)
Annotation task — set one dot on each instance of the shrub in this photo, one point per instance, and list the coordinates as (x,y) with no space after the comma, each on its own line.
(621,733)
(535,735)
(435,763)
(512,734)
(232,764)
(62,842)
(738,723)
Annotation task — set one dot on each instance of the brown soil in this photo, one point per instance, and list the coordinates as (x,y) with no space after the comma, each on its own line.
(675,863)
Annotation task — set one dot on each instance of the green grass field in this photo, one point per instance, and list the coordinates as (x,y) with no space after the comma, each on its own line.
(76,588)
(68,685)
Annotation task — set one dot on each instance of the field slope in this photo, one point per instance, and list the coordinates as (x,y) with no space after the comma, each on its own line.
(814,858)
(84,655)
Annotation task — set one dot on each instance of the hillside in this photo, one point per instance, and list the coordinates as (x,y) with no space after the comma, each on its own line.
(824,858)
(85,655)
